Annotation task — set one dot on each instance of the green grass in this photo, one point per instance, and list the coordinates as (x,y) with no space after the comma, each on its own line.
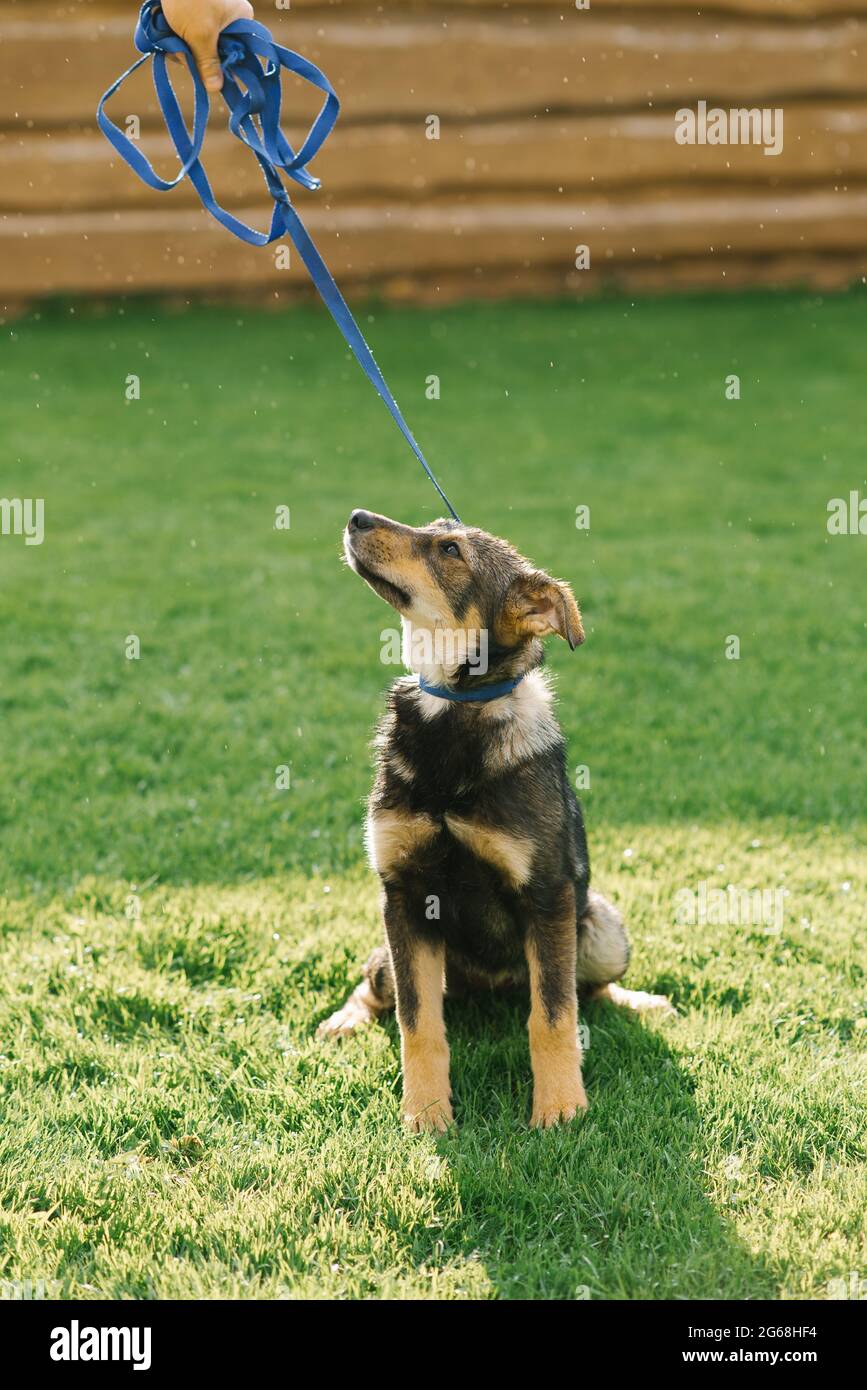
(173,926)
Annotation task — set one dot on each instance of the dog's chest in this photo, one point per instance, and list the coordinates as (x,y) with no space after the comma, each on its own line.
(462,796)
(500,847)
(447,825)
(430,843)
(449,750)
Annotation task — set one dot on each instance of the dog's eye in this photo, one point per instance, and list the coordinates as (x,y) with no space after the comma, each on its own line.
(450,548)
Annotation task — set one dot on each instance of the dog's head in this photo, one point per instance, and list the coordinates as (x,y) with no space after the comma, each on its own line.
(459,578)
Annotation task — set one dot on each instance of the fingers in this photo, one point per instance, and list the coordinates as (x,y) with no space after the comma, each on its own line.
(202,30)
(221,13)
(209,66)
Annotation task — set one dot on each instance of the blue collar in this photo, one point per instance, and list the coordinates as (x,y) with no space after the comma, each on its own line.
(482,694)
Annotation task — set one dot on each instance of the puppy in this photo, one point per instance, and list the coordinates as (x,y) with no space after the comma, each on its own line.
(473,826)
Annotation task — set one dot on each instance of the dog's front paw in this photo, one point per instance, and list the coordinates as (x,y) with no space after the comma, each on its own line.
(431,1118)
(556,1107)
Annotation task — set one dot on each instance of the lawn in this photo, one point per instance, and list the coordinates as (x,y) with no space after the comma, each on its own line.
(173,924)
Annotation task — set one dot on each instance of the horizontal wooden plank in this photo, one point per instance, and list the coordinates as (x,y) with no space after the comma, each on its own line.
(479,64)
(775,9)
(765,9)
(817,270)
(141,251)
(823,142)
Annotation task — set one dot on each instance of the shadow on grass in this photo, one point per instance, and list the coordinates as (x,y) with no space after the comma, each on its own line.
(613,1205)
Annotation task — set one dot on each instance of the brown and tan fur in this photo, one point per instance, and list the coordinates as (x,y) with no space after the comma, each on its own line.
(473,826)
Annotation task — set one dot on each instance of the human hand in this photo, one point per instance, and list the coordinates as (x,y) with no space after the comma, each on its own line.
(199,23)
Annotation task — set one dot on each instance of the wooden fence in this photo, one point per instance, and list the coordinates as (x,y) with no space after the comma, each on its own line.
(556,129)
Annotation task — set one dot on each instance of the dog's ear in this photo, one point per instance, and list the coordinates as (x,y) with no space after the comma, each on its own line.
(535,605)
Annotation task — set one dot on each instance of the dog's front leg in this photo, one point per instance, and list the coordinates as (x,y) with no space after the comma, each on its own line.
(555,1052)
(418,964)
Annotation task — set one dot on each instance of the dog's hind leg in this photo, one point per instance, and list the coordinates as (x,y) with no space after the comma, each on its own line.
(372,998)
(603,945)
(603,955)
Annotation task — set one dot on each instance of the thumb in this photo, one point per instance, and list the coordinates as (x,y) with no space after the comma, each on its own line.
(208,63)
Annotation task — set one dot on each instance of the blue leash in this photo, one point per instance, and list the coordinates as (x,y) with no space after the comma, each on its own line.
(248,52)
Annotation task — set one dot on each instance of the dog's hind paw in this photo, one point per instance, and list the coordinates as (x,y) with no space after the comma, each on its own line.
(637,999)
(362,1007)
(354,1015)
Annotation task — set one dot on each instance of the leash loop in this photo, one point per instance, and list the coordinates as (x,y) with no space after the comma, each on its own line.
(252,66)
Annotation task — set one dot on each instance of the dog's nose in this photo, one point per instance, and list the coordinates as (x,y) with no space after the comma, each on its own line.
(361,521)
